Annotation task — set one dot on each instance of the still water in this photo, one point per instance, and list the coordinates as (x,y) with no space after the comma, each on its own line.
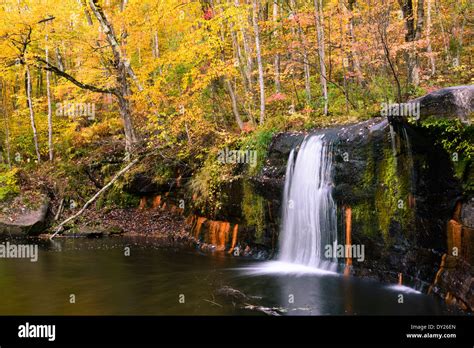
(153,280)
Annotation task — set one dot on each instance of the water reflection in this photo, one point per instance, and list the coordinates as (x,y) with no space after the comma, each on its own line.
(151,280)
(311,291)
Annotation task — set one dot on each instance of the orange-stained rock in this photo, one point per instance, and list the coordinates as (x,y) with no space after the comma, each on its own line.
(234,237)
(348,224)
(197,229)
(454,236)
(142,203)
(156,202)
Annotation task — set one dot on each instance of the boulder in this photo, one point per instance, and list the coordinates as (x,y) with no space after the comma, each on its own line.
(31,221)
(450,102)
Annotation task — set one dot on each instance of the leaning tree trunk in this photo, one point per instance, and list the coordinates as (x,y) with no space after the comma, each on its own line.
(123,69)
(235,108)
(32,113)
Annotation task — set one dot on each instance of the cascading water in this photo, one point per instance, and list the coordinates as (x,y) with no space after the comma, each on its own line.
(309,211)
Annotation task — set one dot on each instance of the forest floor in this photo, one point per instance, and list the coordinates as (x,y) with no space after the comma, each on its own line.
(168,229)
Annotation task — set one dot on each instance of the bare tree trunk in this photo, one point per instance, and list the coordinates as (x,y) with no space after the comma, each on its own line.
(443,32)
(5,98)
(413,33)
(32,114)
(86,12)
(59,59)
(307,75)
(248,51)
(461,42)
(276,63)
(306,70)
(428,38)
(238,56)
(259,61)
(353,55)
(318,4)
(123,4)
(227,84)
(156,47)
(342,44)
(382,30)
(235,108)
(50,111)
(124,69)
(241,60)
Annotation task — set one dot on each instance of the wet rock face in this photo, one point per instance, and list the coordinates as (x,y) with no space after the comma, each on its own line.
(271,179)
(142,184)
(467,213)
(455,282)
(30,222)
(401,188)
(451,102)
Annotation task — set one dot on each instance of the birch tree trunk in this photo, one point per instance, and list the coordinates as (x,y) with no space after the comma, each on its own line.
(50,111)
(32,114)
(318,4)
(156,47)
(259,60)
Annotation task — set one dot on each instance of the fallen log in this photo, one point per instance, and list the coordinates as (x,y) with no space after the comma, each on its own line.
(90,201)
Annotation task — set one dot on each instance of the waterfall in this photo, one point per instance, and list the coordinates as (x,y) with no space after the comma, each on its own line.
(309,211)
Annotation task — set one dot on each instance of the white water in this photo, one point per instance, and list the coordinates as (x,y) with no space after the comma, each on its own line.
(309,212)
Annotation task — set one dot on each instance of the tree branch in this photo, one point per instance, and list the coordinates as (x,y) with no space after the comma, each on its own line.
(50,67)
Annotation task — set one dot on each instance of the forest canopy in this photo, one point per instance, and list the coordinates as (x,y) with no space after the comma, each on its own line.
(84,80)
